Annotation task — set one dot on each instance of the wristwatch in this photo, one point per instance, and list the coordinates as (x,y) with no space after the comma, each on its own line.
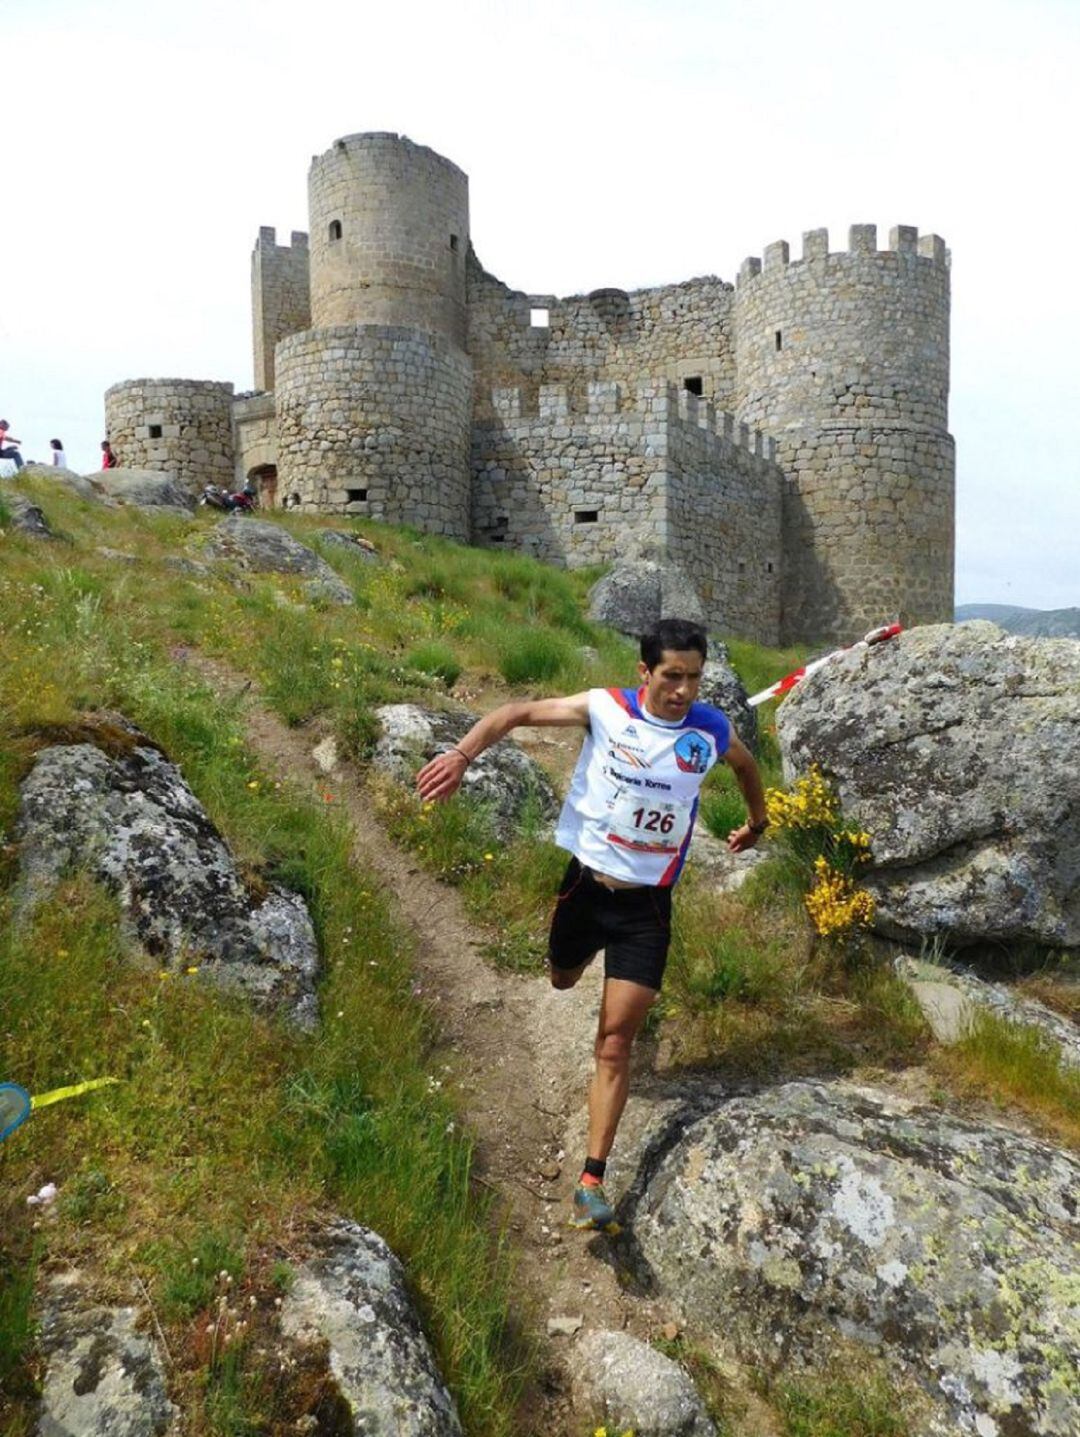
(758,828)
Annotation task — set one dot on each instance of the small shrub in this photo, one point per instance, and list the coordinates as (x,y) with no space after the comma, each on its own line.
(533,655)
(435,659)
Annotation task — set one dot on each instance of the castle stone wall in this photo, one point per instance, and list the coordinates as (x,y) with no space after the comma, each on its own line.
(254,437)
(844,358)
(725,516)
(177,426)
(374,420)
(403,213)
(570,487)
(280,297)
(672,332)
(649,470)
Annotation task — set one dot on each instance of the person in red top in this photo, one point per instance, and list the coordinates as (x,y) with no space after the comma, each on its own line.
(9,448)
(108,458)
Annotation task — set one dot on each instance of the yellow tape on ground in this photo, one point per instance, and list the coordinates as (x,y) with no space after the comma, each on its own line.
(42,1100)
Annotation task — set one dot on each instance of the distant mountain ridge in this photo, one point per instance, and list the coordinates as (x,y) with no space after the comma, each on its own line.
(1035,623)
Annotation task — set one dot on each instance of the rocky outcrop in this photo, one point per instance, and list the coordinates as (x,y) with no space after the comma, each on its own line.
(129,819)
(624,1383)
(351,1294)
(354,544)
(951,997)
(256,546)
(958,749)
(503,777)
(723,689)
(638,593)
(102,1375)
(146,489)
(812,1211)
(26,516)
(81,486)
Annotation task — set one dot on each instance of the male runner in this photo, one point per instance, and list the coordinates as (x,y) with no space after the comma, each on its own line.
(627,822)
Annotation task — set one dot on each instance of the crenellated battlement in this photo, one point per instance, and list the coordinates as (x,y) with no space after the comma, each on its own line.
(862,240)
(654,404)
(267,240)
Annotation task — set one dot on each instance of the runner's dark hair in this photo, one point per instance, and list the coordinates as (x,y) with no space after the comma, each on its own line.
(676,635)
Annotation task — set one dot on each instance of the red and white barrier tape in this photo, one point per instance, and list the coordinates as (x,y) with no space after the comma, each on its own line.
(782,686)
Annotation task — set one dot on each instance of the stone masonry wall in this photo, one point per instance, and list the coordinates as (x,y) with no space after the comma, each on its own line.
(280,297)
(844,359)
(176,426)
(645,471)
(571,488)
(724,516)
(374,420)
(399,257)
(672,332)
(254,437)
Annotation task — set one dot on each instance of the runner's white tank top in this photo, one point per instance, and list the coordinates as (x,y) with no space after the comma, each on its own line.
(633,799)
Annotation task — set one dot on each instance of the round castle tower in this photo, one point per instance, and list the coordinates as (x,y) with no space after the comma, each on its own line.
(181,426)
(844,360)
(374,402)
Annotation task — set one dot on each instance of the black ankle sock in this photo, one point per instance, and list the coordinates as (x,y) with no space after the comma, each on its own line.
(594,1168)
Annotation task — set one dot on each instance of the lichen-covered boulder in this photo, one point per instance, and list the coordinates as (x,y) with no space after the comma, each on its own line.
(257,546)
(810,1210)
(129,819)
(351,1294)
(723,689)
(80,485)
(637,593)
(970,993)
(957,747)
(101,1374)
(26,516)
(146,489)
(503,777)
(624,1383)
(350,543)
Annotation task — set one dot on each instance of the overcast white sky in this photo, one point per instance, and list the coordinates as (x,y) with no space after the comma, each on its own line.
(142,144)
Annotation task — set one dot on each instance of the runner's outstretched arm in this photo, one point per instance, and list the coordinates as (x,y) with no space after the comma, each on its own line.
(441,777)
(741,761)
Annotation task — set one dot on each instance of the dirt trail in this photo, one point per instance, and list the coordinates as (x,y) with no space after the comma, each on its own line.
(520,1057)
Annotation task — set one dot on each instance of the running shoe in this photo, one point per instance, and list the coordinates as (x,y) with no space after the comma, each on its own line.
(591,1209)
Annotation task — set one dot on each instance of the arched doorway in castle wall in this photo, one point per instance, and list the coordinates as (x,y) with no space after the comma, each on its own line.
(263,479)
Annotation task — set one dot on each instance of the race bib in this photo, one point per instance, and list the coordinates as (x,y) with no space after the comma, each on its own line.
(646,824)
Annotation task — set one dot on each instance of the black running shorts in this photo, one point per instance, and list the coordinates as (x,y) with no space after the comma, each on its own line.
(631,925)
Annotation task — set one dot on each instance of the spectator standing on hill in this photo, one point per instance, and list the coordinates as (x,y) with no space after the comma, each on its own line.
(9,448)
(626,822)
(59,458)
(108,458)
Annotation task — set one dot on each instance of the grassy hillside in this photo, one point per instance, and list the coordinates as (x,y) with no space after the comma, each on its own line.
(228,1132)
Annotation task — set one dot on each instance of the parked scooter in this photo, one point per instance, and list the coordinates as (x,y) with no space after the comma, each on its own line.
(243,502)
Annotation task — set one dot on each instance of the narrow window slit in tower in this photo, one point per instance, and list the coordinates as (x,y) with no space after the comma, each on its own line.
(335,229)
(155,431)
(586,516)
(453,242)
(692,384)
(779,339)
(539,318)
(768,566)
(355,496)
(742,566)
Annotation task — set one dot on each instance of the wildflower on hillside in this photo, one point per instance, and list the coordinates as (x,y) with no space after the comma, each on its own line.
(835,904)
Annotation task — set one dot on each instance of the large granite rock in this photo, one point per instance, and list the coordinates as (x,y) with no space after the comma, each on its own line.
(26,516)
(810,1210)
(623,1383)
(503,777)
(146,489)
(261,547)
(351,1294)
(129,819)
(102,1376)
(83,488)
(723,689)
(637,593)
(958,749)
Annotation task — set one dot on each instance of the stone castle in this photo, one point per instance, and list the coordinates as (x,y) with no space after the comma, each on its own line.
(783,440)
